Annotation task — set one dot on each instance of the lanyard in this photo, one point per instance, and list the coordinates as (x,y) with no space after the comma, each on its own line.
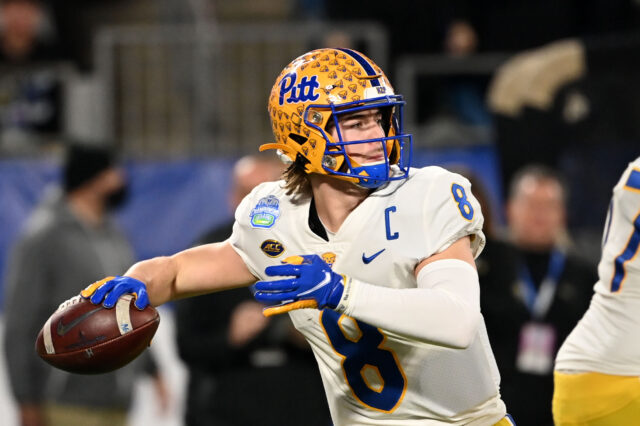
(539,301)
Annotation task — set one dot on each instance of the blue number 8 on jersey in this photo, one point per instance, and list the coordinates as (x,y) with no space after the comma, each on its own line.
(365,352)
(460,197)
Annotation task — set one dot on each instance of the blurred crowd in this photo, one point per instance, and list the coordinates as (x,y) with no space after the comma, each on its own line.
(557,109)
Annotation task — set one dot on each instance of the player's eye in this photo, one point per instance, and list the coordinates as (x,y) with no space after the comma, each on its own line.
(353,124)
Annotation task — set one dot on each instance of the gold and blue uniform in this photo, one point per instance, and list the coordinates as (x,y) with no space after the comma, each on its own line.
(372,376)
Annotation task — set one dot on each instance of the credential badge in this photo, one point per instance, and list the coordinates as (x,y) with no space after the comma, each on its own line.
(265,213)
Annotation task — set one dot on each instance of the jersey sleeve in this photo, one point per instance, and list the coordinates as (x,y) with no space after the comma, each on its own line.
(450,212)
(242,239)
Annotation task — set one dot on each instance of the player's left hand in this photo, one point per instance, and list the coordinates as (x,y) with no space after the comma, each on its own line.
(314,285)
(108,290)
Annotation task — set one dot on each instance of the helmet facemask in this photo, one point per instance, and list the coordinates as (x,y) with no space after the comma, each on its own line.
(395,147)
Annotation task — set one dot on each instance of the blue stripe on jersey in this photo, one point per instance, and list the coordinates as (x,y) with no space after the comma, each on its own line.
(627,254)
(634,180)
(364,63)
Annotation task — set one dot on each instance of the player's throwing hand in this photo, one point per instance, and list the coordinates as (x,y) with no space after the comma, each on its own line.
(314,285)
(110,289)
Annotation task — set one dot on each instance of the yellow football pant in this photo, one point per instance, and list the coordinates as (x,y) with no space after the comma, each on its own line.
(595,399)
(504,422)
(62,415)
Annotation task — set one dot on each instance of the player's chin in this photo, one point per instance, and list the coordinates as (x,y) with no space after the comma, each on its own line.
(369,160)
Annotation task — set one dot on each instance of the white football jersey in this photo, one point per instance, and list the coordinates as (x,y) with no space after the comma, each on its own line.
(607,338)
(371,376)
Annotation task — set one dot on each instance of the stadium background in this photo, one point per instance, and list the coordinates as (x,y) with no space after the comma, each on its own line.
(180,89)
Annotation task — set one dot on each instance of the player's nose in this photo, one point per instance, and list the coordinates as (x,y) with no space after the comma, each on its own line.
(374,131)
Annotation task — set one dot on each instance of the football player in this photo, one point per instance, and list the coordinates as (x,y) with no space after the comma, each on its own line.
(597,371)
(373,260)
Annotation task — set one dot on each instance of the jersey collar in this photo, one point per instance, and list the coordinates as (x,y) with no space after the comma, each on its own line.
(315,224)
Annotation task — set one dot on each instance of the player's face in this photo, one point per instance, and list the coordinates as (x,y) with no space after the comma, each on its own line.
(362,125)
(537,213)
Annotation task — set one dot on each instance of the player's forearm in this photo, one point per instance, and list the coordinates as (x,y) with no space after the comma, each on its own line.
(198,270)
(442,310)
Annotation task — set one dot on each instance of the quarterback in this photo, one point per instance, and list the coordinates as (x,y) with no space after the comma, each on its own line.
(373,260)
(597,371)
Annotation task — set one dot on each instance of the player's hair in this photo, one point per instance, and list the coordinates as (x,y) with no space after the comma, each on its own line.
(296,179)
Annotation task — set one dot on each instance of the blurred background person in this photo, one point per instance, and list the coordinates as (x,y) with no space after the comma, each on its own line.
(30,86)
(571,104)
(68,238)
(27,34)
(244,368)
(533,292)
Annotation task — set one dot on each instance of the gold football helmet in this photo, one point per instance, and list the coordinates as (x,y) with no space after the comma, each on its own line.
(318,87)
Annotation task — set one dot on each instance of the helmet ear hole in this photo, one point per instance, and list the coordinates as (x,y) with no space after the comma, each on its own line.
(297,138)
(394,155)
(331,124)
(387,119)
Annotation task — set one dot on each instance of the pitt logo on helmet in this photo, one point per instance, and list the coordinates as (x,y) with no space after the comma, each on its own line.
(301,92)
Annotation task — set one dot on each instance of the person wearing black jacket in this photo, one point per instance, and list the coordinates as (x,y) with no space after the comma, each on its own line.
(533,292)
(231,349)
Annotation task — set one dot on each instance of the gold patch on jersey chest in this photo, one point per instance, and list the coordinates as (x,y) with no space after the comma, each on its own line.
(329,258)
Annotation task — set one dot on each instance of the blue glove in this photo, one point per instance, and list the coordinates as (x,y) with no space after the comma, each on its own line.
(110,289)
(314,285)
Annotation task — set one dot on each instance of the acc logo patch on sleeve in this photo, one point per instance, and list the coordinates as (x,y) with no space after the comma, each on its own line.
(272,248)
(265,213)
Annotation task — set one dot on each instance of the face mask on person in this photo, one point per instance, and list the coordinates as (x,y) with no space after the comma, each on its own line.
(117,198)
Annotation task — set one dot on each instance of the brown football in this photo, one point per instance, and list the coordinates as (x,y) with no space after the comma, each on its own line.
(84,338)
